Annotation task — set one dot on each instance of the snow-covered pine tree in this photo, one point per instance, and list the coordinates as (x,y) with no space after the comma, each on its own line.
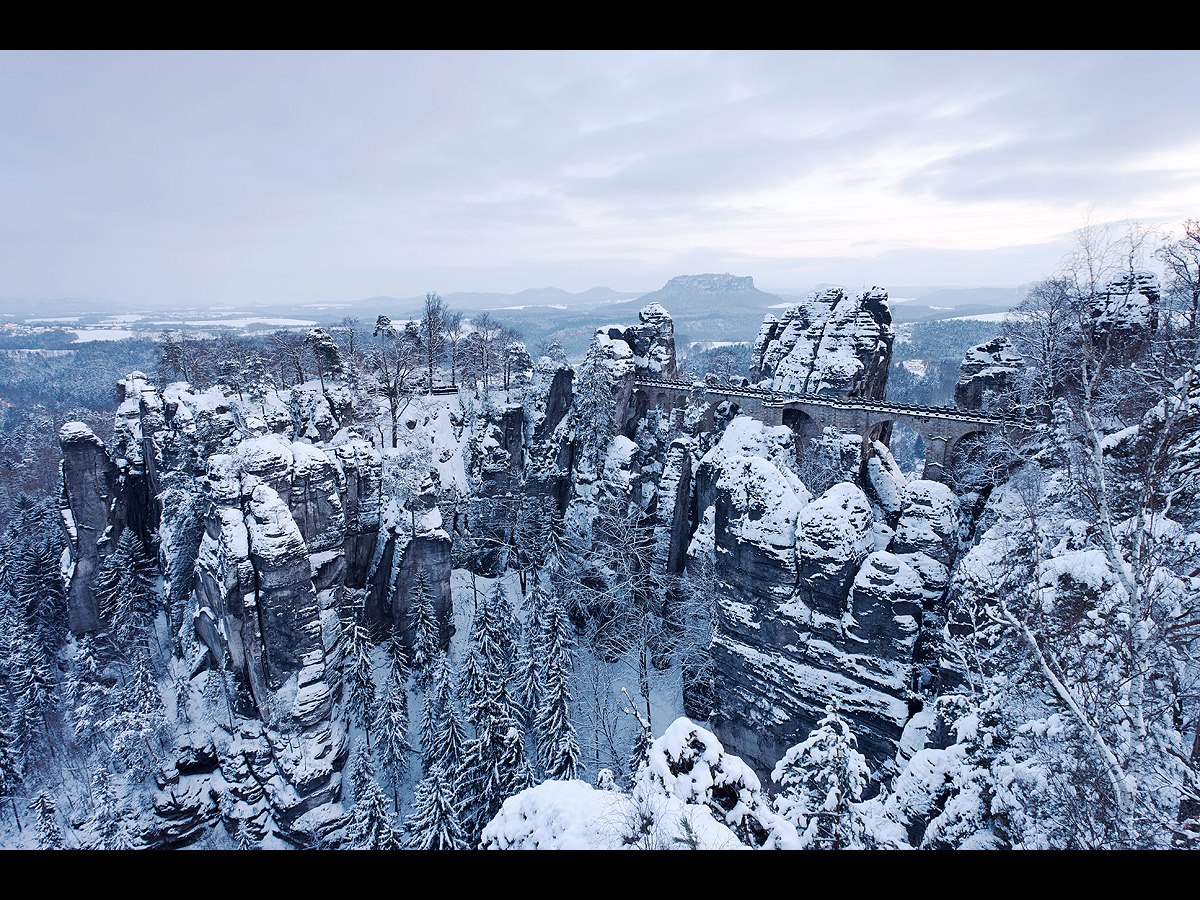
(10,768)
(325,353)
(108,827)
(369,824)
(643,739)
(126,590)
(136,720)
(491,652)
(530,662)
(391,716)
(426,632)
(494,765)
(37,581)
(88,700)
(502,618)
(49,834)
(593,408)
(28,678)
(443,739)
(821,779)
(434,822)
(557,746)
(359,671)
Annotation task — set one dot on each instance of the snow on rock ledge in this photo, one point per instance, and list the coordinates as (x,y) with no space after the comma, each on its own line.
(690,794)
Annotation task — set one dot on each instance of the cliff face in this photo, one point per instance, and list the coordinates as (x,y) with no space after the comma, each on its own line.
(91,511)
(288,542)
(831,343)
(818,598)
(818,601)
(822,593)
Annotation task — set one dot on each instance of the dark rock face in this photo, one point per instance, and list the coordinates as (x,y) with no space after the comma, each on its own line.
(94,517)
(816,600)
(549,456)
(361,484)
(557,403)
(987,371)
(830,343)
(928,522)
(414,546)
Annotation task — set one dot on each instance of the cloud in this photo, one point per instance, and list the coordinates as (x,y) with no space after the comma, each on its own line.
(186,176)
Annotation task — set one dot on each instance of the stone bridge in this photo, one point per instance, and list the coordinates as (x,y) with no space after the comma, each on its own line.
(942,427)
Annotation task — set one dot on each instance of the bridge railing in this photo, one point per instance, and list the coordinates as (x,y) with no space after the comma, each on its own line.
(775,398)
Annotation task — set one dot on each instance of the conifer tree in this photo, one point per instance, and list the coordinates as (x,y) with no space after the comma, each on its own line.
(88,701)
(136,719)
(821,780)
(530,664)
(10,768)
(391,717)
(360,674)
(49,835)
(557,746)
(30,685)
(126,590)
(434,822)
(369,826)
(643,739)
(37,581)
(442,736)
(426,632)
(108,827)
(494,765)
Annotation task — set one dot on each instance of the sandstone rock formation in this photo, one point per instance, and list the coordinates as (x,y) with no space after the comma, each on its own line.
(831,343)
(987,372)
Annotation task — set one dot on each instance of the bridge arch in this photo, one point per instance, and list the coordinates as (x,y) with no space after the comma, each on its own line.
(802,424)
(964,454)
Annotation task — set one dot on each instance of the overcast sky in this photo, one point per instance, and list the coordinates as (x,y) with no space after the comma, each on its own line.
(302,177)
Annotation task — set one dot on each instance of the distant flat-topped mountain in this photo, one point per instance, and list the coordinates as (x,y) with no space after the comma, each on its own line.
(708,292)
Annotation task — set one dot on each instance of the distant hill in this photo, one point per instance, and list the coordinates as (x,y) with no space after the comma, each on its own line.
(709,293)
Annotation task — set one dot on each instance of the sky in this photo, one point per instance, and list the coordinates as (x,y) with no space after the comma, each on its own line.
(291,178)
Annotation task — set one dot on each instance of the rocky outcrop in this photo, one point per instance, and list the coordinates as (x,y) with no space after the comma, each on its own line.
(988,372)
(93,512)
(814,606)
(139,418)
(1127,309)
(831,343)
(929,521)
(288,540)
(652,341)
(359,470)
(415,543)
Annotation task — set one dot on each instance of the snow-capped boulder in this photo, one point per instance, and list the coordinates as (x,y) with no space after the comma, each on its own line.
(886,604)
(690,794)
(833,535)
(929,522)
(987,370)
